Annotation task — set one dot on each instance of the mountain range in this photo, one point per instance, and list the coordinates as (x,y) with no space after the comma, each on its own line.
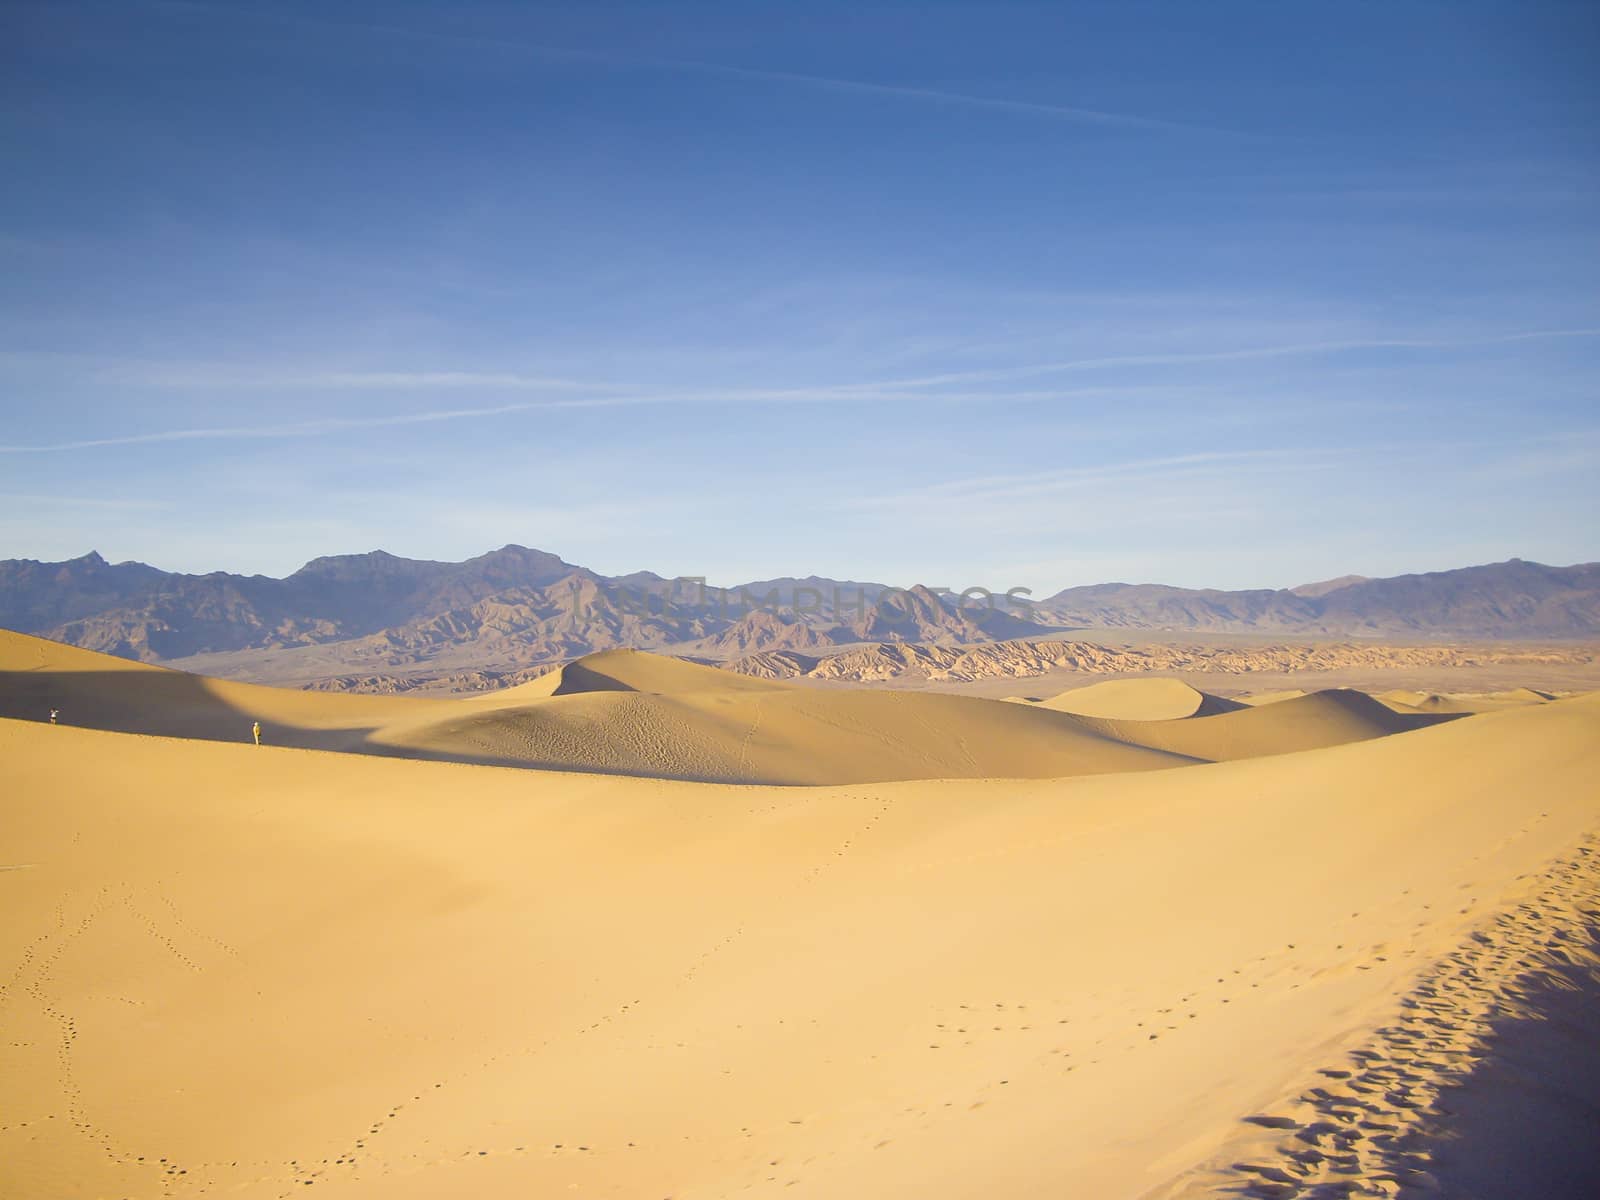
(514,608)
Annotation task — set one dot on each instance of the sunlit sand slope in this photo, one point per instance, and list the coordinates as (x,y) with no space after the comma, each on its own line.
(793,736)
(1156,699)
(231,971)
(638,671)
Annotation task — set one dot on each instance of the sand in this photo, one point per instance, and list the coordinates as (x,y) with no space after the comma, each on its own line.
(1461,702)
(1157,698)
(240,971)
(1310,722)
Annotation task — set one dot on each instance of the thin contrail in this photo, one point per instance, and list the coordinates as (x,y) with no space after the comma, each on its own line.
(296,430)
(1060,112)
(1202,356)
(1091,116)
(332,425)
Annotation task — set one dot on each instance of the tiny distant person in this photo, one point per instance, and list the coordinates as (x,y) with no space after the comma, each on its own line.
(54,713)
(255,732)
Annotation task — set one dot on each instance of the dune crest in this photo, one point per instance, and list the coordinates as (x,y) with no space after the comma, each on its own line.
(657,674)
(1147,699)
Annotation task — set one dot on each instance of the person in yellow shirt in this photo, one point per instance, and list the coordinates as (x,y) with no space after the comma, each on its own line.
(255,732)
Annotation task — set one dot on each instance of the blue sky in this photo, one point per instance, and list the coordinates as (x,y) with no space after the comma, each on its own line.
(1210,294)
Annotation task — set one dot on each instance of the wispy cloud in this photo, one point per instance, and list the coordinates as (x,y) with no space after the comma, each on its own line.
(512,380)
(326,426)
(205,374)
(217,376)
(300,429)
(929,389)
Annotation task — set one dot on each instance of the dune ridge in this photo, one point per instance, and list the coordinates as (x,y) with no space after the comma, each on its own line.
(1394,1111)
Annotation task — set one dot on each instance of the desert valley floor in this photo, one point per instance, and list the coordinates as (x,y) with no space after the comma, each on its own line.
(643,928)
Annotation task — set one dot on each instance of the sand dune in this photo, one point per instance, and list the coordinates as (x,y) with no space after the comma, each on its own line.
(239,971)
(770,734)
(632,713)
(1312,722)
(637,671)
(1476,702)
(1255,699)
(1148,699)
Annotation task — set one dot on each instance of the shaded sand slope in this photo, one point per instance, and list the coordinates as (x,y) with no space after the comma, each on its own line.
(100,691)
(1312,722)
(233,971)
(1155,699)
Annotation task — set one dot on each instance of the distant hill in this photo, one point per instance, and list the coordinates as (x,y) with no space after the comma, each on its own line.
(375,614)
(1512,599)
